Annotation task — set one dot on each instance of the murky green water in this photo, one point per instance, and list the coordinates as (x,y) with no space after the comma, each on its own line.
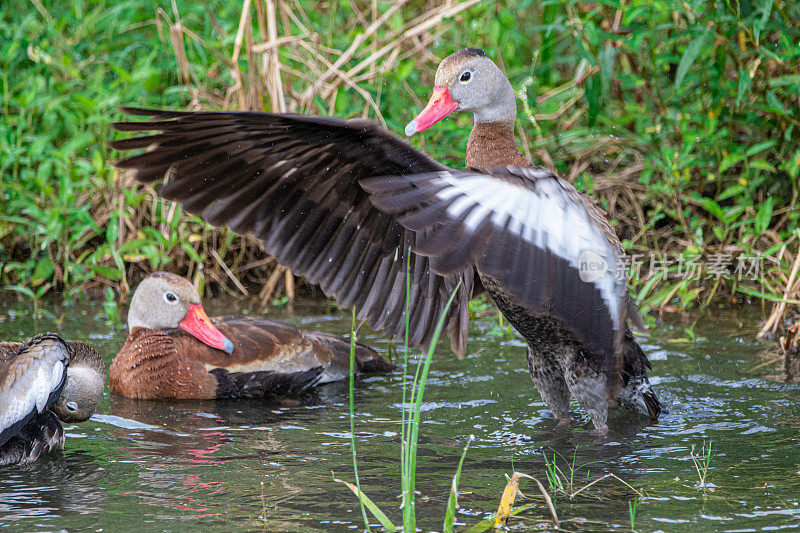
(175,466)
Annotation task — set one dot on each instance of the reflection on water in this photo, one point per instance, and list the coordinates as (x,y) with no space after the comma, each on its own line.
(56,486)
(140,465)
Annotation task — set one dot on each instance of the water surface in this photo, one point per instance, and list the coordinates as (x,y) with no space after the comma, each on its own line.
(181,465)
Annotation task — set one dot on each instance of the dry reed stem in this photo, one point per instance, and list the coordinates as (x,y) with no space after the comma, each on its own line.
(549,502)
(429,20)
(176,38)
(228,272)
(274,82)
(279,42)
(236,75)
(364,94)
(768,361)
(772,323)
(270,285)
(504,509)
(601,478)
(334,69)
(507,499)
(790,345)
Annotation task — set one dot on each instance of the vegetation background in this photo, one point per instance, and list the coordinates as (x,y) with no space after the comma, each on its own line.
(682,117)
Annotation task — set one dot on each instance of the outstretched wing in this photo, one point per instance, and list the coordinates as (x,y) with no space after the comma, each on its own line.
(31,378)
(532,232)
(292,181)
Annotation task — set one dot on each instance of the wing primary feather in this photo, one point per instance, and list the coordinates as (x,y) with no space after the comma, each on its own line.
(293,181)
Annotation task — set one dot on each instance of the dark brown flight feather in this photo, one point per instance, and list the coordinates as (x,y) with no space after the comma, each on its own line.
(292,181)
(536,277)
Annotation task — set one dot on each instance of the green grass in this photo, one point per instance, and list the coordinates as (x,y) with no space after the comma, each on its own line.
(352,409)
(559,480)
(681,118)
(410,421)
(413,391)
(632,512)
(702,462)
(452,501)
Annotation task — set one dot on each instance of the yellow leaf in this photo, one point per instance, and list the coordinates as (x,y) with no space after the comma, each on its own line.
(509,494)
(369,504)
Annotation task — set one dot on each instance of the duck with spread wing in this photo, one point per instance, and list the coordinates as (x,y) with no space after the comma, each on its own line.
(348,205)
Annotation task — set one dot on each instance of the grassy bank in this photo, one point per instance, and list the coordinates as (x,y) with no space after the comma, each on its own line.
(681,118)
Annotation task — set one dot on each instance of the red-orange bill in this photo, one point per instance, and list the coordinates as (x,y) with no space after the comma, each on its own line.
(199,326)
(439,106)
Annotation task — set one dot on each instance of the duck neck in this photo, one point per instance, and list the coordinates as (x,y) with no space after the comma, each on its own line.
(492,144)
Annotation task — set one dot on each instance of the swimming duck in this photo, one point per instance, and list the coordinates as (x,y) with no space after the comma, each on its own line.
(174,350)
(351,207)
(42,381)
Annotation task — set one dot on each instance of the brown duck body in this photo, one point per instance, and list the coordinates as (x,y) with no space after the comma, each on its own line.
(41,381)
(269,358)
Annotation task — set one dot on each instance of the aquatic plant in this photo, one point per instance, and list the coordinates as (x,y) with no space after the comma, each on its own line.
(554,475)
(452,501)
(566,483)
(412,396)
(410,418)
(352,410)
(632,512)
(702,461)
(559,481)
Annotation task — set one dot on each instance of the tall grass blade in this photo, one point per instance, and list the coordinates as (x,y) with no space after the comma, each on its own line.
(452,501)
(632,512)
(353,419)
(407,492)
(768,297)
(417,393)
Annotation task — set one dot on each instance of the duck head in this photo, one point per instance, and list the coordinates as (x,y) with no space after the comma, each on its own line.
(86,377)
(467,80)
(164,301)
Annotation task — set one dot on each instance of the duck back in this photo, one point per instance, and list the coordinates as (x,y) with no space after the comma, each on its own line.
(269,358)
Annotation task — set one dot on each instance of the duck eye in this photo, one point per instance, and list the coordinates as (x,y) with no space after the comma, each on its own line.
(170,297)
(72,406)
(465,76)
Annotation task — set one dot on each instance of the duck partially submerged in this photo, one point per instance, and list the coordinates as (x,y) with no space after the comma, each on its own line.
(341,202)
(42,381)
(174,350)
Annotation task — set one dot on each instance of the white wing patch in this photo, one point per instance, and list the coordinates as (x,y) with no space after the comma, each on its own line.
(32,377)
(547,218)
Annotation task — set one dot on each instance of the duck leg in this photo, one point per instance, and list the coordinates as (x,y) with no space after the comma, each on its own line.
(549,379)
(589,387)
